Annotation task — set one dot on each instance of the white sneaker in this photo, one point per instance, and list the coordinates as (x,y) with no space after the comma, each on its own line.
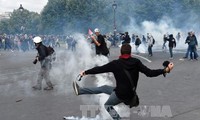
(76,88)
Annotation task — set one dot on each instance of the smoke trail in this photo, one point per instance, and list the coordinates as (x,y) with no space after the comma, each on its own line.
(69,64)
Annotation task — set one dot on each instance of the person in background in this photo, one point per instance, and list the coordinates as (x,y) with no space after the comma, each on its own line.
(126,38)
(193,43)
(137,44)
(100,44)
(178,36)
(165,37)
(45,62)
(171,45)
(144,40)
(150,44)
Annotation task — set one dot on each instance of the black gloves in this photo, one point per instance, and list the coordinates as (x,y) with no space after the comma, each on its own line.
(165,65)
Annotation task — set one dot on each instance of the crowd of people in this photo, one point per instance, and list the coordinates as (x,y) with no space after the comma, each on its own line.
(149,42)
(24,42)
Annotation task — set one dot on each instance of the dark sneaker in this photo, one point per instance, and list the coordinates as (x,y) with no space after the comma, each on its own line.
(76,88)
(36,87)
(48,88)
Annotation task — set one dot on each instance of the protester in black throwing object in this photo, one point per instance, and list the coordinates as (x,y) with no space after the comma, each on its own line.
(123,92)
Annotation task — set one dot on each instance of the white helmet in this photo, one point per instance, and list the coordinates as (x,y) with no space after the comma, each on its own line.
(96,30)
(37,39)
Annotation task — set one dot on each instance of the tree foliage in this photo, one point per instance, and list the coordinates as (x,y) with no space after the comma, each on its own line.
(65,16)
(70,15)
(21,22)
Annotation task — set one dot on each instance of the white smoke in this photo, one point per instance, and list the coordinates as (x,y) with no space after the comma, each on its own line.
(157,29)
(70,64)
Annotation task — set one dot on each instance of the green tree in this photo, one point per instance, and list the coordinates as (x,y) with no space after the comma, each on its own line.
(4,26)
(21,22)
(24,22)
(73,15)
(66,16)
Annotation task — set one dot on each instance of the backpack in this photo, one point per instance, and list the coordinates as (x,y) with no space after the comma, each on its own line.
(153,41)
(51,53)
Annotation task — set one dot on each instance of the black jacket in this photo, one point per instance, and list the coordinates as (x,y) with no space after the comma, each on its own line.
(172,41)
(123,88)
(126,39)
(42,52)
(137,41)
(102,49)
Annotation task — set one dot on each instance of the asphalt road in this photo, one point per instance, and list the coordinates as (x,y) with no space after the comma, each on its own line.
(175,96)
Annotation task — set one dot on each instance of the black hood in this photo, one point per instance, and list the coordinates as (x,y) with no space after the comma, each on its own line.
(129,63)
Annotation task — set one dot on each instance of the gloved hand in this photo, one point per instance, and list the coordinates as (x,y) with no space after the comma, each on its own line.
(168,66)
(165,64)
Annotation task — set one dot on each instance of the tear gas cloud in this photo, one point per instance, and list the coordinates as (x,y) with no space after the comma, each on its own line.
(163,26)
(65,70)
(71,63)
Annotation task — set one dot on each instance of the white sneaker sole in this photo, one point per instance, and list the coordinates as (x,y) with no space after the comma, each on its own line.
(75,88)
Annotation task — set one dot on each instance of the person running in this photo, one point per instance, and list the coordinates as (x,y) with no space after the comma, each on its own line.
(126,72)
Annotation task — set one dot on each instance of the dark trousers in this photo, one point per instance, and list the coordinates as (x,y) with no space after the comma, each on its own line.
(150,50)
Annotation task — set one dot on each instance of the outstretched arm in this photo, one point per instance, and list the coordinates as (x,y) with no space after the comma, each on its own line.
(100,69)
(153,73)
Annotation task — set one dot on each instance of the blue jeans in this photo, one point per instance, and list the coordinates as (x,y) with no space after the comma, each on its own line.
(164,46)
(150,50)
(192,50)
(171,51)
(112,100)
